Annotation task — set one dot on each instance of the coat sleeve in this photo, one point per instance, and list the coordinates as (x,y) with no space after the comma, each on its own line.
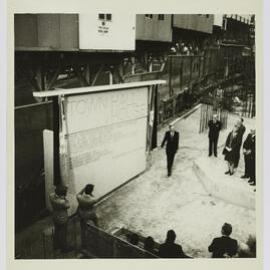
(237,142)
(177,140)
(246,142)
(234,248)
(227,140)
(164,140)
(66,204)
(212,246)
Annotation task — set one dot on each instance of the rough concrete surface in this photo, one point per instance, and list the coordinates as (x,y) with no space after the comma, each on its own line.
(153,203)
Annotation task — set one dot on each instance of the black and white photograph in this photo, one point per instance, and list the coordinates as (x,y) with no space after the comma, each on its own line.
(135,136)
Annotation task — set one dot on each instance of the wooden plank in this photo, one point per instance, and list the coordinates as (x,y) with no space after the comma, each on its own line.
(94,89)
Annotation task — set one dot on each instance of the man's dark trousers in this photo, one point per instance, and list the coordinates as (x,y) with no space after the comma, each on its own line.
(83,233)
(213,141)
(247,165)
(60,235)
(214,129)
(171,139)
(170,159)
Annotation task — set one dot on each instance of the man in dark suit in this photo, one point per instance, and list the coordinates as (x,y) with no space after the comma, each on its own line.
(169,249)
(214,129)
(241,128)
(171,139)
(250,157)
(224,246)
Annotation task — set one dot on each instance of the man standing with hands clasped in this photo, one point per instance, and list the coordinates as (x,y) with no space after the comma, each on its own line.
(214,129)
(171,139)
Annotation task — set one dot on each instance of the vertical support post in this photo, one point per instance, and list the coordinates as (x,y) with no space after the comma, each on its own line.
(110,77)
(133,65)
(170,75)
(182,72)
(190,70)
(150,66)
(154,130)
(88,74)
(199,66)
(56,156)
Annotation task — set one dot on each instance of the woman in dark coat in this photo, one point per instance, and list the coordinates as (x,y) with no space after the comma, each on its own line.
(231,150)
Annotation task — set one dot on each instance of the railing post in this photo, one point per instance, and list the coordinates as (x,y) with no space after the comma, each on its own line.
(56,156)
(170,76)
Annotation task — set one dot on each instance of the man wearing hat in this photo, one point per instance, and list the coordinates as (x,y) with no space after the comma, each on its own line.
(60,205)
(171,139)
(86,210)
(214,129)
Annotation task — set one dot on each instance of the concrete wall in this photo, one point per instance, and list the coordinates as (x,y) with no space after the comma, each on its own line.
(200,23)
(154,29)
(115,34)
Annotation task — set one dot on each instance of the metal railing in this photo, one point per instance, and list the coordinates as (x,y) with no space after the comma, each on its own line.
(99,244)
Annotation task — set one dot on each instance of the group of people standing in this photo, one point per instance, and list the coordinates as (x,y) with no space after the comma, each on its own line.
(233,147)
(231,151)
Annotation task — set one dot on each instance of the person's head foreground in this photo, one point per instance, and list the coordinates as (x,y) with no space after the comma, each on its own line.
(89,189)
(171,236)
(226,229)
(61,191)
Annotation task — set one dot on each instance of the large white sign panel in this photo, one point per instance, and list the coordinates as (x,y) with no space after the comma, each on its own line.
(106,138)
(97,34)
